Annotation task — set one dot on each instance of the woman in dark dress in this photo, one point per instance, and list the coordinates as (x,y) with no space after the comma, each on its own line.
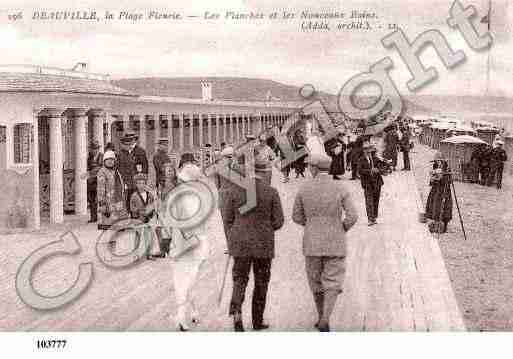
(336,148)
(439,202)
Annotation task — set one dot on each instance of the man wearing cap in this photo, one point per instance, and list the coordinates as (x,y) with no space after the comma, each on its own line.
(94,163)
(250,240)
(264,157)
(131,160)
(497,158)
(159,160)
(325,209)
(371,180)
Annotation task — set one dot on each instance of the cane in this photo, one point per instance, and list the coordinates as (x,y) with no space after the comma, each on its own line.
(457,207)
(221,290)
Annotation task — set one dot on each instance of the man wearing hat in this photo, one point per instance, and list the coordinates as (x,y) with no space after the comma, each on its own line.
(131,160)
(371,180)
(497,158)
(94,163)
(159,161)
(325,209)
(250,240)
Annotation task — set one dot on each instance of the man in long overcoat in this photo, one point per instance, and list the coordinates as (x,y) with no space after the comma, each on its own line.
(391,141)
(94,163)
(250,238)
(325,209)
(371,180)
(131,160)
(159,162)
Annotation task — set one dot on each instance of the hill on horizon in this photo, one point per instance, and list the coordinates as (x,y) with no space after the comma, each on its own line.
(232,88)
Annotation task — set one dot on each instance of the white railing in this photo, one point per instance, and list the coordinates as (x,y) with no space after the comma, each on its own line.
(44,70)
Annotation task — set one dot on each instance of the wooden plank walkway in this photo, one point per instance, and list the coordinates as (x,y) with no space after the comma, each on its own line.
(396,279)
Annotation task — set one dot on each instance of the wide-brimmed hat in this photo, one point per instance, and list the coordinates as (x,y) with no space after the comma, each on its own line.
(227,151)
(94,145)
(189,172)
(128,138)
(109,155)
(186,157)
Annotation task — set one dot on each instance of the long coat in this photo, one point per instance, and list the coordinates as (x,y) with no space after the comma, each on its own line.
(110,197)
(324,207)
(391,141)
(128,162)
(337,163)
(252,234)
(159,160)
(439,202)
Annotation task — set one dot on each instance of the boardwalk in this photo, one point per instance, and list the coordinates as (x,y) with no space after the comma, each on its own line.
(396,279)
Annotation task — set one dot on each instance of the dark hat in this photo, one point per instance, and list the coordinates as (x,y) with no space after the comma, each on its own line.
(186,157)
(94,145)
(208,145)
(128,138)
(163,141)
(140,177)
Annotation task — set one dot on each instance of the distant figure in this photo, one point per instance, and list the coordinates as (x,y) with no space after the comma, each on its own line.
(131,160)
(404,144)
(391,142)
(371,180)
(142,203)
(325,209)
(264,157)
(335,148)
(439,202)
(111,193)
(94,163)
(485,160)
(160,159)
(250,240)
(497,158)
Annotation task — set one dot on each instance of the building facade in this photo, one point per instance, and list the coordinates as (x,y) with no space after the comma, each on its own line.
(49,116)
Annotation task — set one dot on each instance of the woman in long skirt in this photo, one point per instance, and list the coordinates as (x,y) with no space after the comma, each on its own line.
(187,266)
(439,202)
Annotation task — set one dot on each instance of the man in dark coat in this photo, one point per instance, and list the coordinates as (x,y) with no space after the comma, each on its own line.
(356,153)
(497,158)
(250,238)
(485,159)
(131,160)
(391,141)
(405,148)
(439,201)
(371,179)
(335,148)
(94,163)
(160,159)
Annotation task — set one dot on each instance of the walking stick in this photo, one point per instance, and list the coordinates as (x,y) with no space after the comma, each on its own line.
(458,207)
(221,290)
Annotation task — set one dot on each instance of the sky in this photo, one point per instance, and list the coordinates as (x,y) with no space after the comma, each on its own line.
(270,49)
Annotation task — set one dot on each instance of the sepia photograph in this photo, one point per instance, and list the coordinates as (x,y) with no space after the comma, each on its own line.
(255,166)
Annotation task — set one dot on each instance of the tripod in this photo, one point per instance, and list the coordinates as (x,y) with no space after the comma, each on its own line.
(448,175)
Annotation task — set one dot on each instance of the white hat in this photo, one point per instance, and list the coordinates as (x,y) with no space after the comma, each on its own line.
(189,172)
(228,151)
(109,155)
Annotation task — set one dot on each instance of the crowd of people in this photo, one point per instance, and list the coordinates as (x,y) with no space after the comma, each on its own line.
(118,188)
(487,164)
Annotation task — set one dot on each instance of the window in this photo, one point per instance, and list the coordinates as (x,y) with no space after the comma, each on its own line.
(22,141)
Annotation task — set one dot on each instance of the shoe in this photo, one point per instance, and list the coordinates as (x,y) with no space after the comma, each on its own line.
(323,327)
(371,223)
(150,258)
(238,326)
(92,220)
(183,327)
(261,326)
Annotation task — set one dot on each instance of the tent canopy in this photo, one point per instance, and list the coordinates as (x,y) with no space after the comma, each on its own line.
(464,139)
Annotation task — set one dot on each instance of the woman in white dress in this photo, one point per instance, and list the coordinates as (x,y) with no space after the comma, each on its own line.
(187,266)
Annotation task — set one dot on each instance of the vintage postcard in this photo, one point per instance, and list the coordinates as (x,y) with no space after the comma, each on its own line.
(257,166)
